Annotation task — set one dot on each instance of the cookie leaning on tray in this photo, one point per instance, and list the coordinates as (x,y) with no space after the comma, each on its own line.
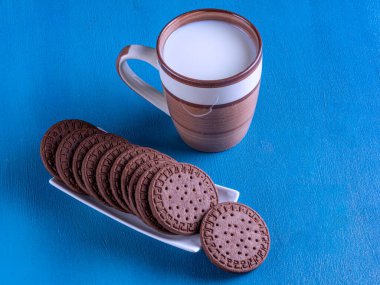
(172,197)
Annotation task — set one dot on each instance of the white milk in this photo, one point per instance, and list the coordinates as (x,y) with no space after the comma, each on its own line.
(209,50)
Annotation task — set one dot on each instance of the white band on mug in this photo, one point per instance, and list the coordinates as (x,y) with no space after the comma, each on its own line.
(208,96)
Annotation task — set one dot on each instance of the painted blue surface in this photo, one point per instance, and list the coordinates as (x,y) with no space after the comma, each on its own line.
(310,164)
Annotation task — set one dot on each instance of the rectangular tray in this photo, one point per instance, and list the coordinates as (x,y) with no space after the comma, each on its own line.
(189,243)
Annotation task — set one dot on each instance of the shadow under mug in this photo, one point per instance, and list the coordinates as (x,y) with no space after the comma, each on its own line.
(209,115)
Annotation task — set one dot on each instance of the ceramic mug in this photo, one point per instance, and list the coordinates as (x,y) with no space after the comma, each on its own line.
(209,115)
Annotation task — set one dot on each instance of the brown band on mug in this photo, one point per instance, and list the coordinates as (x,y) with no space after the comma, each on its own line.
(215,133)
(209,14)
(221,120)
(212,106)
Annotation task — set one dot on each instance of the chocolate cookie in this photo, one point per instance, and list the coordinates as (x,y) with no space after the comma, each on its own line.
(90,162)
(234,237)
(65,152)
(103,173)
(141,195)
(81,152)
(117,169)
(179,196)
(53,137)
(129,170)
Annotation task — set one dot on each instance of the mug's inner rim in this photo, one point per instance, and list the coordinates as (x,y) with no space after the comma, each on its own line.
(202,15)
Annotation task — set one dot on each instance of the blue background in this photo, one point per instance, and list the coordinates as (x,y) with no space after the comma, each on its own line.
(310,164)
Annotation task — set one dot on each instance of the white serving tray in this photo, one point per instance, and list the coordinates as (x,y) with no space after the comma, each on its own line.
(189,243)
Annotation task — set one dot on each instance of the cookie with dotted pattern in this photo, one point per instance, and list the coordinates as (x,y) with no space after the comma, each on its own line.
(179,196)
(234,237)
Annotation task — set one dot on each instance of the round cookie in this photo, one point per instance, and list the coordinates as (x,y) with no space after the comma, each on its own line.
(53,137)
(234,237)
(103,173)
(141,195)
(81,152)
(129,170)
(65,152)
(179,196)
(90,162)
(117,169)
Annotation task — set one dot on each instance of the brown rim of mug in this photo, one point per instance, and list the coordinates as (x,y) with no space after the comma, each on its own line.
(209,14)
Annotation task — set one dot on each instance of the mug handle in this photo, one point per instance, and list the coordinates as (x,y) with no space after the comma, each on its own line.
(148,92)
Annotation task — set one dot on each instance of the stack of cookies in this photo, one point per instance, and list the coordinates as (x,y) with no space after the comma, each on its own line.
(172,197)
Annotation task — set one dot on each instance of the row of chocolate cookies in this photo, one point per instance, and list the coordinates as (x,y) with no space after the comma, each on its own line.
(172,197)
(169,196)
